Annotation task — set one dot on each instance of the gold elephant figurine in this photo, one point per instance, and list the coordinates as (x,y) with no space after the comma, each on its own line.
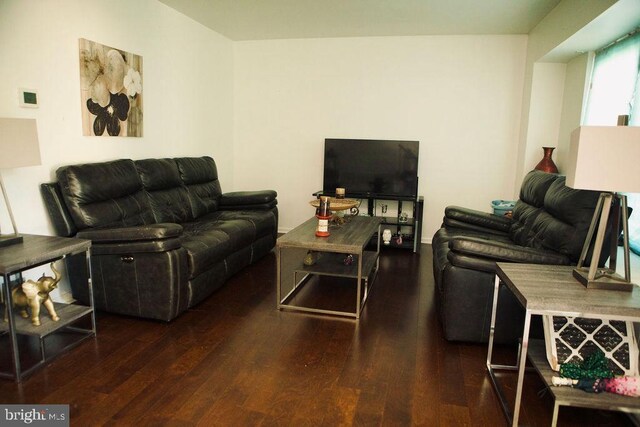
(34,294)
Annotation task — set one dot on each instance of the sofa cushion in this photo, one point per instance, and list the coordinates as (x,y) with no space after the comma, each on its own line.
(263,222)
(524,215)
(535,186)
(211,241)
(92,203)
(167,194)
(200,176)
(205,249)
(565,223)
(531,204)
(575,207)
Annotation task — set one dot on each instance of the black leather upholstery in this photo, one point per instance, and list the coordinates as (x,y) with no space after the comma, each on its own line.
(484,221)
(56,208)
(105,195)
(167,194)
(200,176)
(164,236)
(548,226)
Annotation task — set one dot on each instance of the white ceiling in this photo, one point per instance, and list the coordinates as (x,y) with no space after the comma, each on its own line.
(620,19)
(289,19)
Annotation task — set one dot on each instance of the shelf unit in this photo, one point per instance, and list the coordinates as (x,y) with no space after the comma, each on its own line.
(330,264)
(568,396)
(411,229)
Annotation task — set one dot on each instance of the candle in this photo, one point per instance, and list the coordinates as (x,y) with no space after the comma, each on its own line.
(324,206)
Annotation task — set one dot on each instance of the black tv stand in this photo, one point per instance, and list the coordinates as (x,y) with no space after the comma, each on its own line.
(411,229)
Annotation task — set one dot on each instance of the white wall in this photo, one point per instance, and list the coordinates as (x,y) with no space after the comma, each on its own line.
(545,107)
(561,23)
(577,73)
(460,96)
(187,86)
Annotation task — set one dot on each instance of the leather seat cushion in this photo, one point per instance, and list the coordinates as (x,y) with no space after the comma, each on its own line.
(211,241)
(263,222)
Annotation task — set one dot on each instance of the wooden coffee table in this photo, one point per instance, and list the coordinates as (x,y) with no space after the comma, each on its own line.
(350,238)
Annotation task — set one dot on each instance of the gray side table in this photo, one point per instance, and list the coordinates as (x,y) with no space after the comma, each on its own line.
(33,252)
(552,290)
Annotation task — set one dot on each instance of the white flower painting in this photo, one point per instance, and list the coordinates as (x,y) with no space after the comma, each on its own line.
(111,91)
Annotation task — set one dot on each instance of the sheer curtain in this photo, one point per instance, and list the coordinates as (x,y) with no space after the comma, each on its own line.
(614,91)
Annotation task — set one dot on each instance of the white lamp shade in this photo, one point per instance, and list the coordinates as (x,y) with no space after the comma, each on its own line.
(605,158)
(18,143)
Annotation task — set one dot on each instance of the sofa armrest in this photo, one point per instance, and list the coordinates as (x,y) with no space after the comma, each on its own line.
(58,211)
(248,200)
(502,251)
(459,217)
(132,234)
(132,240)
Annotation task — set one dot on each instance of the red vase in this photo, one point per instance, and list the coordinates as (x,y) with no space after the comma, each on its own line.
(546,164)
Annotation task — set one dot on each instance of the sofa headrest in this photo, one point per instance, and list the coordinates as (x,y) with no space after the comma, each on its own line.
(158,174)
(200,176)
(105,194)
(534,187)
(197,170)
(572,206)
(167,194)
(560,222)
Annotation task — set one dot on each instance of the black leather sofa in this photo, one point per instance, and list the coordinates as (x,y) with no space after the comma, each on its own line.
(549,225)
(163,234)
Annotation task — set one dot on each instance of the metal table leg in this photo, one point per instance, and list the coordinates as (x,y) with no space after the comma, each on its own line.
(90,284)
(493,321)
(556,408)
(520,367)
(359,292)
(15,354)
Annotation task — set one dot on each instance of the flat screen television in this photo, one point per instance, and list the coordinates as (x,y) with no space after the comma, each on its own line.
(371,168)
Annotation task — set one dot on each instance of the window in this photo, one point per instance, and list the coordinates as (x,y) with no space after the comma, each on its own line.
(615,90)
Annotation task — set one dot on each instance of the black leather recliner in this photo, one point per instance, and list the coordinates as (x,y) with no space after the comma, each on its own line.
(549,225)
(163,234)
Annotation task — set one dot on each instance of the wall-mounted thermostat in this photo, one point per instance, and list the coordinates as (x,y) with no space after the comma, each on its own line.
(28,98)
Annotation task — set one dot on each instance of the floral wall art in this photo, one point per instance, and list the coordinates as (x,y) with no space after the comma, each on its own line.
(110,90)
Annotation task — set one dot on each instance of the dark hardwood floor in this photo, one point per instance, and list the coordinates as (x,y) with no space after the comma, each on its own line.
(235,360)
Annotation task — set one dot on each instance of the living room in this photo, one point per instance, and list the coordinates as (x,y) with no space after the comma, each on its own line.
(482,104)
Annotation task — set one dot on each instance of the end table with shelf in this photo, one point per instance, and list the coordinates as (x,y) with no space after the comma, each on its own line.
(351,238)
(552,290)
(33,346)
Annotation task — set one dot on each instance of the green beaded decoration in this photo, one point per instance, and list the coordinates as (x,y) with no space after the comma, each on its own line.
(594,366)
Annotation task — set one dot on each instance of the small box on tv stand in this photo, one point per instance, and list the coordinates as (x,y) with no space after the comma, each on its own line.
(407,243)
